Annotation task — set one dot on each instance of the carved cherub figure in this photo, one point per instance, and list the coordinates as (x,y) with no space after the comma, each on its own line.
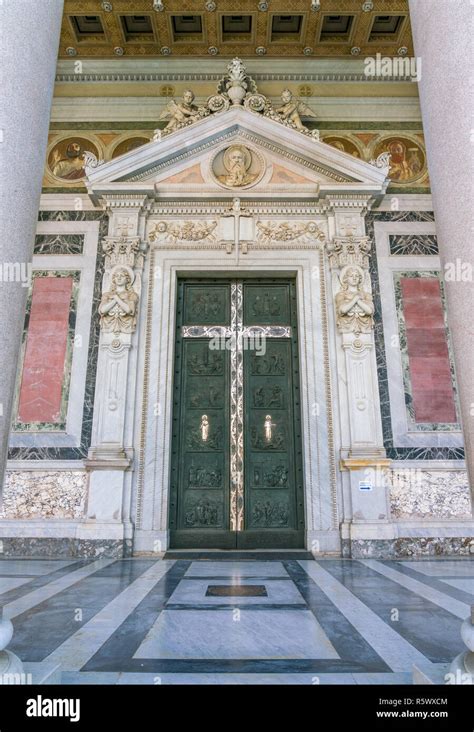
(354,306)
(292,109)
(180,111)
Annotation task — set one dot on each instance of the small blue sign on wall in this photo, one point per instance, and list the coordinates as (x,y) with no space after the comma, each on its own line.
(365,485)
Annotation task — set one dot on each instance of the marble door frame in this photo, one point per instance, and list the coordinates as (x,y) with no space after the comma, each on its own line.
(149,481)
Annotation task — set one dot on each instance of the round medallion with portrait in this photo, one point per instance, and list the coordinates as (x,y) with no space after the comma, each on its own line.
(407,161)
(66,159)
(237,166)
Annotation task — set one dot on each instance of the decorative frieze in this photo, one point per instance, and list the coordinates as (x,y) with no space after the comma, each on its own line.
(409,547)
(270,232)
(167,233)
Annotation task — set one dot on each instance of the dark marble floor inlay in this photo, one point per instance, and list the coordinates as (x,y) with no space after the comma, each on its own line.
(236,591)
(327,621)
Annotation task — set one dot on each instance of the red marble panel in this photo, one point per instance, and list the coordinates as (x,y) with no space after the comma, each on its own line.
(428,355)
(46,344)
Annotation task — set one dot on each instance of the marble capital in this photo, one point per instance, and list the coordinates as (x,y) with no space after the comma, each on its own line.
(349,250)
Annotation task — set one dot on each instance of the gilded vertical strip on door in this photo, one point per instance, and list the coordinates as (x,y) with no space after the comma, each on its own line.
(236,410)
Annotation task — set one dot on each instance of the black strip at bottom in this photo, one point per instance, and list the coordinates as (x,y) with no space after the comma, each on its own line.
(250,555)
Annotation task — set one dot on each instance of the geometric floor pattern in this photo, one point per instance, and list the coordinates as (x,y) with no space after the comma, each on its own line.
(147,621)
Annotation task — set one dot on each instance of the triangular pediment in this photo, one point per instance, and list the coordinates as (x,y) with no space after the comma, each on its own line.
(197,160)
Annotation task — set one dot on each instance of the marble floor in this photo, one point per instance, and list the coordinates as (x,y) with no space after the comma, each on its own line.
(143,621)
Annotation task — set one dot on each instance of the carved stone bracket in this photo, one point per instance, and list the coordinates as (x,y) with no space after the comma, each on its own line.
(353,300)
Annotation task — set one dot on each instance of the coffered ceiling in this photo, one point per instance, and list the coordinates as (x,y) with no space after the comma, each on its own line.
(268,28)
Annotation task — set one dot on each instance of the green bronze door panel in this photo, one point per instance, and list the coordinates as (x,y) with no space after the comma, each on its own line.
(273,480)
(200,493)
(205,305)
(266,305)
(236,473)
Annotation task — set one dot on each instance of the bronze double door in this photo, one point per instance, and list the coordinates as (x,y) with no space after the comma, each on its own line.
(236,468)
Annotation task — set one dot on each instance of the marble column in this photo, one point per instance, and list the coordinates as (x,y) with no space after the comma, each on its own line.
(29,49)
(442,33)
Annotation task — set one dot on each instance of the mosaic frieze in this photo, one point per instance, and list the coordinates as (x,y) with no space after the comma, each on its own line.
(126,146)
(416,493)
(42,494)
(344,145)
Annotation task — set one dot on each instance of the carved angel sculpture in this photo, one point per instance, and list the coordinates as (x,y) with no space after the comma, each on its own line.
(118,306)
(354,306)
(180,112)
(292,110)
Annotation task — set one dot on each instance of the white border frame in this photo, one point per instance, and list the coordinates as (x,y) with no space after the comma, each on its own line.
(86,264)
(387,265)
(321,493)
